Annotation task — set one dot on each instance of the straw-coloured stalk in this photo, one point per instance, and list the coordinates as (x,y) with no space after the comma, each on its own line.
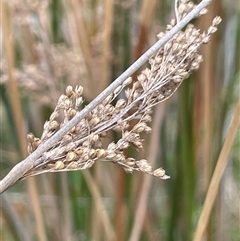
(217,175)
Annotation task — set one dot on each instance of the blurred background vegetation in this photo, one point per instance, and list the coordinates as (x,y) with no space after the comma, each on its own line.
(47,45)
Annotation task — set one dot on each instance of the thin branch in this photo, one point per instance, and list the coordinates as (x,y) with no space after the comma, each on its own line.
(17,171)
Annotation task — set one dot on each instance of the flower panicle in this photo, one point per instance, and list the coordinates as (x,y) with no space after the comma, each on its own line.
(83,145)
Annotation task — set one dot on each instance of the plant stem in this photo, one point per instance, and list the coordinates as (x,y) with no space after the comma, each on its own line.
(28,163)
(217,175)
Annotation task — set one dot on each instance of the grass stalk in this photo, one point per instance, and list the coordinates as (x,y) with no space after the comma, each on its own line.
(107,45)
(67,215)
(84,40)
(18,118)
(18,229)
(110,235)
(217,175)
(12,88)
(124,41)
(186,159)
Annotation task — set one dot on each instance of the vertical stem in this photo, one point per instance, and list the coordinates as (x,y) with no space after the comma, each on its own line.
(18,118)
(186,158)
(217,175)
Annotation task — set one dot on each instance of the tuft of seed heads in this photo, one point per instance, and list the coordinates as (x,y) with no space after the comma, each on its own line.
(83,145)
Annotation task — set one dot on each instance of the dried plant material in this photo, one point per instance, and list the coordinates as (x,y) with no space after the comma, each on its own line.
(83,145)
(38,80)
(73,139)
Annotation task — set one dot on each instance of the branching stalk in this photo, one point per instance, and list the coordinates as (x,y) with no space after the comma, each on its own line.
(37,157)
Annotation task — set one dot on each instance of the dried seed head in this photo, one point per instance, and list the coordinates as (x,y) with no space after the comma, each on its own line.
(212,29)
(71,113)
(30,138)
(78,102)
(46,125)
(112,146)
(131,162)
(120,104)
(67,137)
(93,138)
(147,118)
(85,157)
(168,68)
(117,90)
(108,109)
(144,166)
(61,101)
(92,154)
(128,81)
(101,153)
(37,142)
(79,90)
(72,166)
(79,151)
(73,130)
(137,85)
(138,144)
(108,99)
(71,156)
(59,165)
(122,144)
(54,115)
(110,154)
(160,172)
(67,104)
(142,77)
(216,21)
(203,11)
(139,127)
(119,157)
(160,35)
(69,92)
(94,121)
(148,129)
(87,164)
(128,169)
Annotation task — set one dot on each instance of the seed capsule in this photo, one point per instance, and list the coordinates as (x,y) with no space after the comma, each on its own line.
(30,138)
(71,156)
(139,127)
(59,165)
(92,154)
(117,90)
(79,90)
(53,125)
(159,172)
(101,153)
(72,166)
(144,166)
(37,142)
(120,104)
(128,81)
(69,91)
